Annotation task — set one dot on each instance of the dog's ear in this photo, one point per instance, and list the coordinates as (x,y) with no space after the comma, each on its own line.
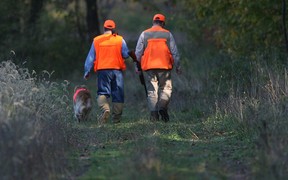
(83,86)
(80,86)
(76,87)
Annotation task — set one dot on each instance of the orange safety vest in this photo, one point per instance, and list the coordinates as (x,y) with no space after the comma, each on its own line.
(157,54)
(108,52)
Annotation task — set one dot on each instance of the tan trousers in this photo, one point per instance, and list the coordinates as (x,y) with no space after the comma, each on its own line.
(159,89)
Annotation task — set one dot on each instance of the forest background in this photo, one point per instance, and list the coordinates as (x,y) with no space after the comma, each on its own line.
(233,88)
(58,31)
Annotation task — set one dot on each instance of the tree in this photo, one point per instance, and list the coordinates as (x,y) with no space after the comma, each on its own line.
(284,22)
(237,26)
(92,18)
(35,10)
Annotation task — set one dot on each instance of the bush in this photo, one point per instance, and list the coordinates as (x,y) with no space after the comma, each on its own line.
(33,123)
(262,108)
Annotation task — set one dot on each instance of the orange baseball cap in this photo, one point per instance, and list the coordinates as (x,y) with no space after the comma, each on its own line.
(159,17)
(109,24)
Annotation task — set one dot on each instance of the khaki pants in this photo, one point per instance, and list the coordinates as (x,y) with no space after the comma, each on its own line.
(159,89)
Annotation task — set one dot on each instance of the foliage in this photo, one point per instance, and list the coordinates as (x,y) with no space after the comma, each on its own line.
(238,139)
(240,73)
(33,124)
(51,37)
(228,109)
(263,110)
(246,36)
(60,32)
(239,27)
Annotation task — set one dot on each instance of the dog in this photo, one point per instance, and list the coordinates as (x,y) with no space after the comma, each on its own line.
(82,103)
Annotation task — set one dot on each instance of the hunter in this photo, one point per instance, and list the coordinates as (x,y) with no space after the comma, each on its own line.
(157,53)
(107,54)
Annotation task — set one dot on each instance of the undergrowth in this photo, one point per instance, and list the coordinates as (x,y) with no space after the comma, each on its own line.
(259,103)
(217,130)
(231,130)
(33,124)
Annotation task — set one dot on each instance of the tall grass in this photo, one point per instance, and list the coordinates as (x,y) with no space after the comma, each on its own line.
(262,107)
(33,115)
(228,122)
(35,128)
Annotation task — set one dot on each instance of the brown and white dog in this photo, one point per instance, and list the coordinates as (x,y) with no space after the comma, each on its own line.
(82,103)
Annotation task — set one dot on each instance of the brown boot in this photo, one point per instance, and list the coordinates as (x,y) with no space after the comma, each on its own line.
(154,116)
(117,109)
(164,115)
(163,109)
(105,109)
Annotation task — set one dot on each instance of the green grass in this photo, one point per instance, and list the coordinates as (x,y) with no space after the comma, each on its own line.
(138,148)
(231,135)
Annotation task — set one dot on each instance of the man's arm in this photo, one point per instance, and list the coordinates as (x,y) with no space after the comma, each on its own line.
(140,47)
(175,54)
(89,61)
(124,50)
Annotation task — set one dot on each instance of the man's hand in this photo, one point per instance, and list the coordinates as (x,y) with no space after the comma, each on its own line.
(131,53)
(86,76)
(178,70)
(137,68)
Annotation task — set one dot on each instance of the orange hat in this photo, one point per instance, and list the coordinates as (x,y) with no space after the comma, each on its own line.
(159,17)
(109,24)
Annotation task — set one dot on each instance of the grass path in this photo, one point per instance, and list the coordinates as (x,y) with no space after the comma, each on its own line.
(184,148)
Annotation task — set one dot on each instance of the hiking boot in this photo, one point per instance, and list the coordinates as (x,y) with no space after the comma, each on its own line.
(117,109)
(105,109)
(103,118)
(115,121)
(164,115)
(154,116)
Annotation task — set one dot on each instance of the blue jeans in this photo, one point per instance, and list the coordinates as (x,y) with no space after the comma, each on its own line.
(111,83)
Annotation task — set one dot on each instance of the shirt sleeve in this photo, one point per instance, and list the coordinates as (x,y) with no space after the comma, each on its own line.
(124,50)
(89,60)
(140,47)
(174,51)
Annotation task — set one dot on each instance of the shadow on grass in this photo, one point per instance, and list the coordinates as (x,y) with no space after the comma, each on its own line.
(176,150)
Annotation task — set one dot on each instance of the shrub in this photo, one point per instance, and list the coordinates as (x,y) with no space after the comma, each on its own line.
(33,123)
(262,108)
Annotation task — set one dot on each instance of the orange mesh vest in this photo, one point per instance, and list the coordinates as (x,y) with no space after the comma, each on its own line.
(157,54)
(108,52)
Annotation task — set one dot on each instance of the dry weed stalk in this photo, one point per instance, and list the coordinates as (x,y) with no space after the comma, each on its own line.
(32,115)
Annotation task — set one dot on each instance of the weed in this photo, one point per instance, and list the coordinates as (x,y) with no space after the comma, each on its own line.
(33,122)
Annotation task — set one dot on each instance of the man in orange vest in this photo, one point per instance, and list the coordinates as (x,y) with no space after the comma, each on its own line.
(106,55)
(157,53)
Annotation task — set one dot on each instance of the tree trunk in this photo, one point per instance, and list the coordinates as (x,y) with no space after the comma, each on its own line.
(81,32)
(284,22)
(92,18)
(35,9)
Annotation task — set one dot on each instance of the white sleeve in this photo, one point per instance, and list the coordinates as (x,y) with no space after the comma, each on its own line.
(174,51)
(140,47)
